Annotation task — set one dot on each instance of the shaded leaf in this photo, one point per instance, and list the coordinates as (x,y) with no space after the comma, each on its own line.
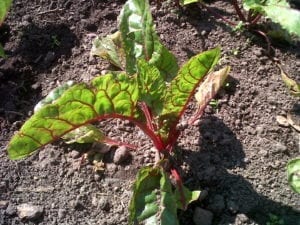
(2,53)
(141,41)
(153,202)
(182,88)
(84,134)
(293,171)
(189,196)
(109,97)
(279,11)
(110,48)
(208,89)
(4,7)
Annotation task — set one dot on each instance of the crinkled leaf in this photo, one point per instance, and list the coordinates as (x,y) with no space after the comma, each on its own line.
(4,7)
(153,201)
(208,89)
(84,134)
(189,197)
(141,41)
(293,170)
(109,96)
(53,95)
(152,86)
(182,88)
(292,85)
(279,11)
(110,48)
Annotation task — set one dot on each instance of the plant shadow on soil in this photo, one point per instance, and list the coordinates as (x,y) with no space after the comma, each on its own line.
(220,151)
(39,50)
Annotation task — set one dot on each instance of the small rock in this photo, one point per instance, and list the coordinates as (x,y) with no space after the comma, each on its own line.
(217,204)
(282,121)
(203,195)
(120,155)
(241,219)
(74,154)
(61,214)
(3,204)
(203,33)
(232,206)
(202,217)
(29,212)
(278,147)
(11,210)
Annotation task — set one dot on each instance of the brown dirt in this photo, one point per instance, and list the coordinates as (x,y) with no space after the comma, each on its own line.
(238,153)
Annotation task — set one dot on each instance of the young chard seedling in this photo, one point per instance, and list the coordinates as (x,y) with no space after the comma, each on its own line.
(149,90)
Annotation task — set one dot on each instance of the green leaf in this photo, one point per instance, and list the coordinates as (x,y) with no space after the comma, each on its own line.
(293,170)
(4,7)
(2,53)
(110,48)
(182,88)
(53,95)
(151,85)
(292,85)
(109,96)
(153,201)
(279,11)
(141,41)
(189,197)
(187,2)
(84,134)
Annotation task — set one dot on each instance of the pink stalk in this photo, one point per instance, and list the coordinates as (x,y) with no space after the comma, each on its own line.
(179,184)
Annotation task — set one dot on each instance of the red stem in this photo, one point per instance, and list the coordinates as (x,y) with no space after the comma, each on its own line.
(119,143)
(179,184)
(255,19)
(238,10)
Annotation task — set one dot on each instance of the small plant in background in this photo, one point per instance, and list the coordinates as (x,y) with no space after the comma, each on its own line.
(293,170)
(149,90)
(274,220)
(4,7)
(278,11)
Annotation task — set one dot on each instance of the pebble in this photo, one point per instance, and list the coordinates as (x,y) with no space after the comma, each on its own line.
(278,147)
(202,217)
(217,204)
(121,154)
(282,121)
(11,210)
(3,204)
(29,212)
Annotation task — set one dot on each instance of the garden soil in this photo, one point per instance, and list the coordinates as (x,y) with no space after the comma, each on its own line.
(236,153)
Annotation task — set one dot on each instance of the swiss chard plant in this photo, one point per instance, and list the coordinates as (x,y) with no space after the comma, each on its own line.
(149,90)
(250,13)
(4,7)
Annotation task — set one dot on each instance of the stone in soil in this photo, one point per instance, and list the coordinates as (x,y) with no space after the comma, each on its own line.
(121,155)
(202,217)
(29,212)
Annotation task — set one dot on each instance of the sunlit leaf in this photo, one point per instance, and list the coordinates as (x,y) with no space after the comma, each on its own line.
(141,41)
(184,85)
(152,86)
(291,84)
(189,197)
(110,48)
(109,96)
(4,7)
(293,170)
(279,11)
(208,89)
(153,201)
(186,2)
